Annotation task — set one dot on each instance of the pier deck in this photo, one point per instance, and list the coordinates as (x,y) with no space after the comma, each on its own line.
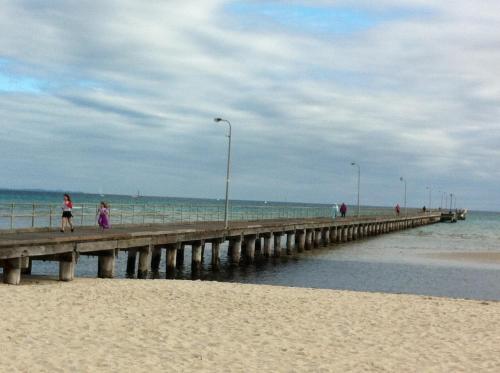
(19,248)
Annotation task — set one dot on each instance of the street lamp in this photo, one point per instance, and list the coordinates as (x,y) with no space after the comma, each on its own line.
(451,201)
(359,182)
(403,180)
(226,208)
(430,198)
(442,199)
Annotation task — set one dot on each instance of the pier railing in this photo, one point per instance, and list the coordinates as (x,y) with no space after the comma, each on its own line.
(38,215)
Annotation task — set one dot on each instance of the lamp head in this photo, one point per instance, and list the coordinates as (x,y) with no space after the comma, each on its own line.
(353,163)
(401,178)
(217,120)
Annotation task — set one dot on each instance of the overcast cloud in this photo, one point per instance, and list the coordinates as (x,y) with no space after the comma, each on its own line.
(121,95)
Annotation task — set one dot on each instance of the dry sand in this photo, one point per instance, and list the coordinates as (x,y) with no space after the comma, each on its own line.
(176,326)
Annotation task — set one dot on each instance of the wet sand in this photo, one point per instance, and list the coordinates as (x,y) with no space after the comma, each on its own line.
(93,325)
(489,257)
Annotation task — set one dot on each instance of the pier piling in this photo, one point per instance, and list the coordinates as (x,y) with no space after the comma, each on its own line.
(236,251)
(156,259)
(317,238)
(171,259)
(106,264)
(12,271)
(67,263)
(216,254)
(301,240)
(250,248)
(268,238)
(144,261)
(131,262)
(277,244)
(290,237)
(196,263)
(309,239)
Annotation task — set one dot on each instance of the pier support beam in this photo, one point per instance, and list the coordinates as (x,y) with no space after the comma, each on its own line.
(258,245)
(317,238)
(355,229)
(268,239)
(333,234)
(250,248)
(290,238)
(131,261)
(196,264)
(171,258)
(12,271)
(235,250)
(350,233)
(301,240)
(180,256)
(339,234)
(309,239)
(144,261)
(67,263)
(106,264)
(156,259)
(326,236)
(277,244)
(343,231)
(216,254)
(26,264)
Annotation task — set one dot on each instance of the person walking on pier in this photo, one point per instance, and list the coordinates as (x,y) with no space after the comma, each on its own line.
(398,209)
(335,209)
(67,215)
(343,209)
(103,216)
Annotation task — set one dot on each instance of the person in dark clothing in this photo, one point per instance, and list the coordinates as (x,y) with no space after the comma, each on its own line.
(343,210)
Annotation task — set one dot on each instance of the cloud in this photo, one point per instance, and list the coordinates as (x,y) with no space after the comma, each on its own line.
(126,93)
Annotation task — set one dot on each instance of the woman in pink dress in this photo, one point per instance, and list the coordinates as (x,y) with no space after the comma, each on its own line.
(103,216)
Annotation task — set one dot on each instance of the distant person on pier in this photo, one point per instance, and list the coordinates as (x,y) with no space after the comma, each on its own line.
(335,211)
(67,215)
(424,209)
(103,216)
(398,209)
(343,209)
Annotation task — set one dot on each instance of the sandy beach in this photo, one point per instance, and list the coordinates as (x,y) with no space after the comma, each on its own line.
(93,325)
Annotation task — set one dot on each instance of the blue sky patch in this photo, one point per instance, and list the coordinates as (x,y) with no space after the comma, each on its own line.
(322,19)
(12,82)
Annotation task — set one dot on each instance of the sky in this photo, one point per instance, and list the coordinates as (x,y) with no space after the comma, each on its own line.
(120,96)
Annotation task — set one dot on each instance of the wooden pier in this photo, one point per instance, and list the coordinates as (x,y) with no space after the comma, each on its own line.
(246,240)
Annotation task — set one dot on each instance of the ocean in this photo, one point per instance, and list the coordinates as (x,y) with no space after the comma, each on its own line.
(460,260)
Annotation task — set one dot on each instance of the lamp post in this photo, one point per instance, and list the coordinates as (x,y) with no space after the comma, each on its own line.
(442,199)
(359,183)
(451,201)
(430,198)
(226,208)
(403,180)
